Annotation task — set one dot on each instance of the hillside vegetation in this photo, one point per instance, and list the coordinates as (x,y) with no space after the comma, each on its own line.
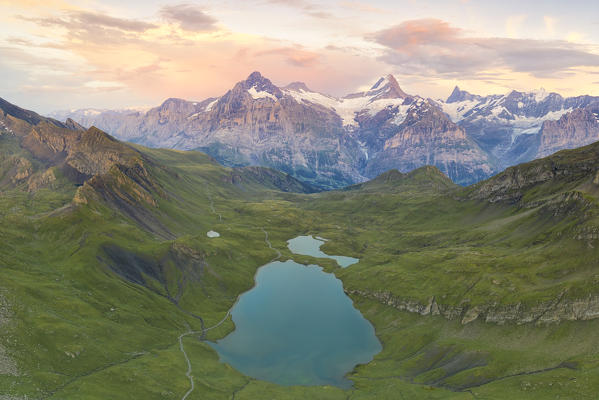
(109,284)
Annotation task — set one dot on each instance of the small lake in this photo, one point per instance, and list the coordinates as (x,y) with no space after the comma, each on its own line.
(309,246)
(297,327)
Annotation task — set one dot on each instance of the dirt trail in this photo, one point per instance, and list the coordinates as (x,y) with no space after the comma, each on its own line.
(202,333)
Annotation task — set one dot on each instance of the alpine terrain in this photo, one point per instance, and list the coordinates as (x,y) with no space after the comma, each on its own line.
(121,263)
(332,142)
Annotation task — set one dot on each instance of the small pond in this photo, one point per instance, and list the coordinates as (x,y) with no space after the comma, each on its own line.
(309,246)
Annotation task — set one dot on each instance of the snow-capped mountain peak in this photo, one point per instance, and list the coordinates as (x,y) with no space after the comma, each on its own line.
(384,88)
(297,86)
(458,95)
(259,87)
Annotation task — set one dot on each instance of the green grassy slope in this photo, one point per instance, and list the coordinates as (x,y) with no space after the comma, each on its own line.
(96,292)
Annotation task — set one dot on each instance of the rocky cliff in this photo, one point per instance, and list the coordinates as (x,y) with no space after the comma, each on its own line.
(560,172)
(577,128)
(555,310)
(332,142)
(327,141)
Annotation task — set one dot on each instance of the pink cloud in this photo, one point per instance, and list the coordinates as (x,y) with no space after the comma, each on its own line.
(431,46)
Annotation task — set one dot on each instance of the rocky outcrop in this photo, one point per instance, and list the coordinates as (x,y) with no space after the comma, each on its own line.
(87,152)
(553,311)
(577,128)
(562,171)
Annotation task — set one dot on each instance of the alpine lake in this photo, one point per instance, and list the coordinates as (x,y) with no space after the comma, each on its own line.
(296,326)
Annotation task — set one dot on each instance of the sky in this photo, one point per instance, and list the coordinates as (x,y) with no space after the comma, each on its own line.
(63,54)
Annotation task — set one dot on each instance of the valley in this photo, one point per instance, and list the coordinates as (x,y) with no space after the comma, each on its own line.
(109,284)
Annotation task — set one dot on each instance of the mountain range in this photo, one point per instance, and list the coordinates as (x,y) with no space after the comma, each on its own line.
(111,285)
(333,142)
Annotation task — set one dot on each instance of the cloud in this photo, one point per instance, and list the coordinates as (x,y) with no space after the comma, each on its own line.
(305,6)
(362,7)
(431,46)
(295,56)
(93,27)
(80,19)
(189,17)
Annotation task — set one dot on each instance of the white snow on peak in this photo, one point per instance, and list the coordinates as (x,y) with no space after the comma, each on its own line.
(457,110)
(402,113)
(529,125)
(380,84)
(260,94)
(540,94)
(211,104)
(347,108)
(91,112)
(312,97)
(141,109)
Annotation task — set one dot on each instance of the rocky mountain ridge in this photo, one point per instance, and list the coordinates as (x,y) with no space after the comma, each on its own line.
(332,142)
(36,151)
(511,127)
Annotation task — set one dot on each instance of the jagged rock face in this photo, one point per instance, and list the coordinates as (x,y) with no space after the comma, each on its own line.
(428,137)
(566,169)
(577,128)
(328,141)
(458,95)
(509,127)
(552,311)
(89,152)
(256,123)
(332,141)
(77,152)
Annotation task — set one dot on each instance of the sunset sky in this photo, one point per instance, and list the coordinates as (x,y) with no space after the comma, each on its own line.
(61,54)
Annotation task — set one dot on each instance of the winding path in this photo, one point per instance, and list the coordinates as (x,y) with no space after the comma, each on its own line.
(220,217)
(270,245)
(189,370)
(202,333)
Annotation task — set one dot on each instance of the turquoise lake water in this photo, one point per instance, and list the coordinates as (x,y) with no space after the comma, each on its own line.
(309,246)
(297,327)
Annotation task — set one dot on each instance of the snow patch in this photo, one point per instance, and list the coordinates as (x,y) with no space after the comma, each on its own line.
(210,105)
(401,115)
(312,97)
(457,110)
(260,94)
(364,149)
(380,84)
(540,95)
(348,107)
(531,125)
